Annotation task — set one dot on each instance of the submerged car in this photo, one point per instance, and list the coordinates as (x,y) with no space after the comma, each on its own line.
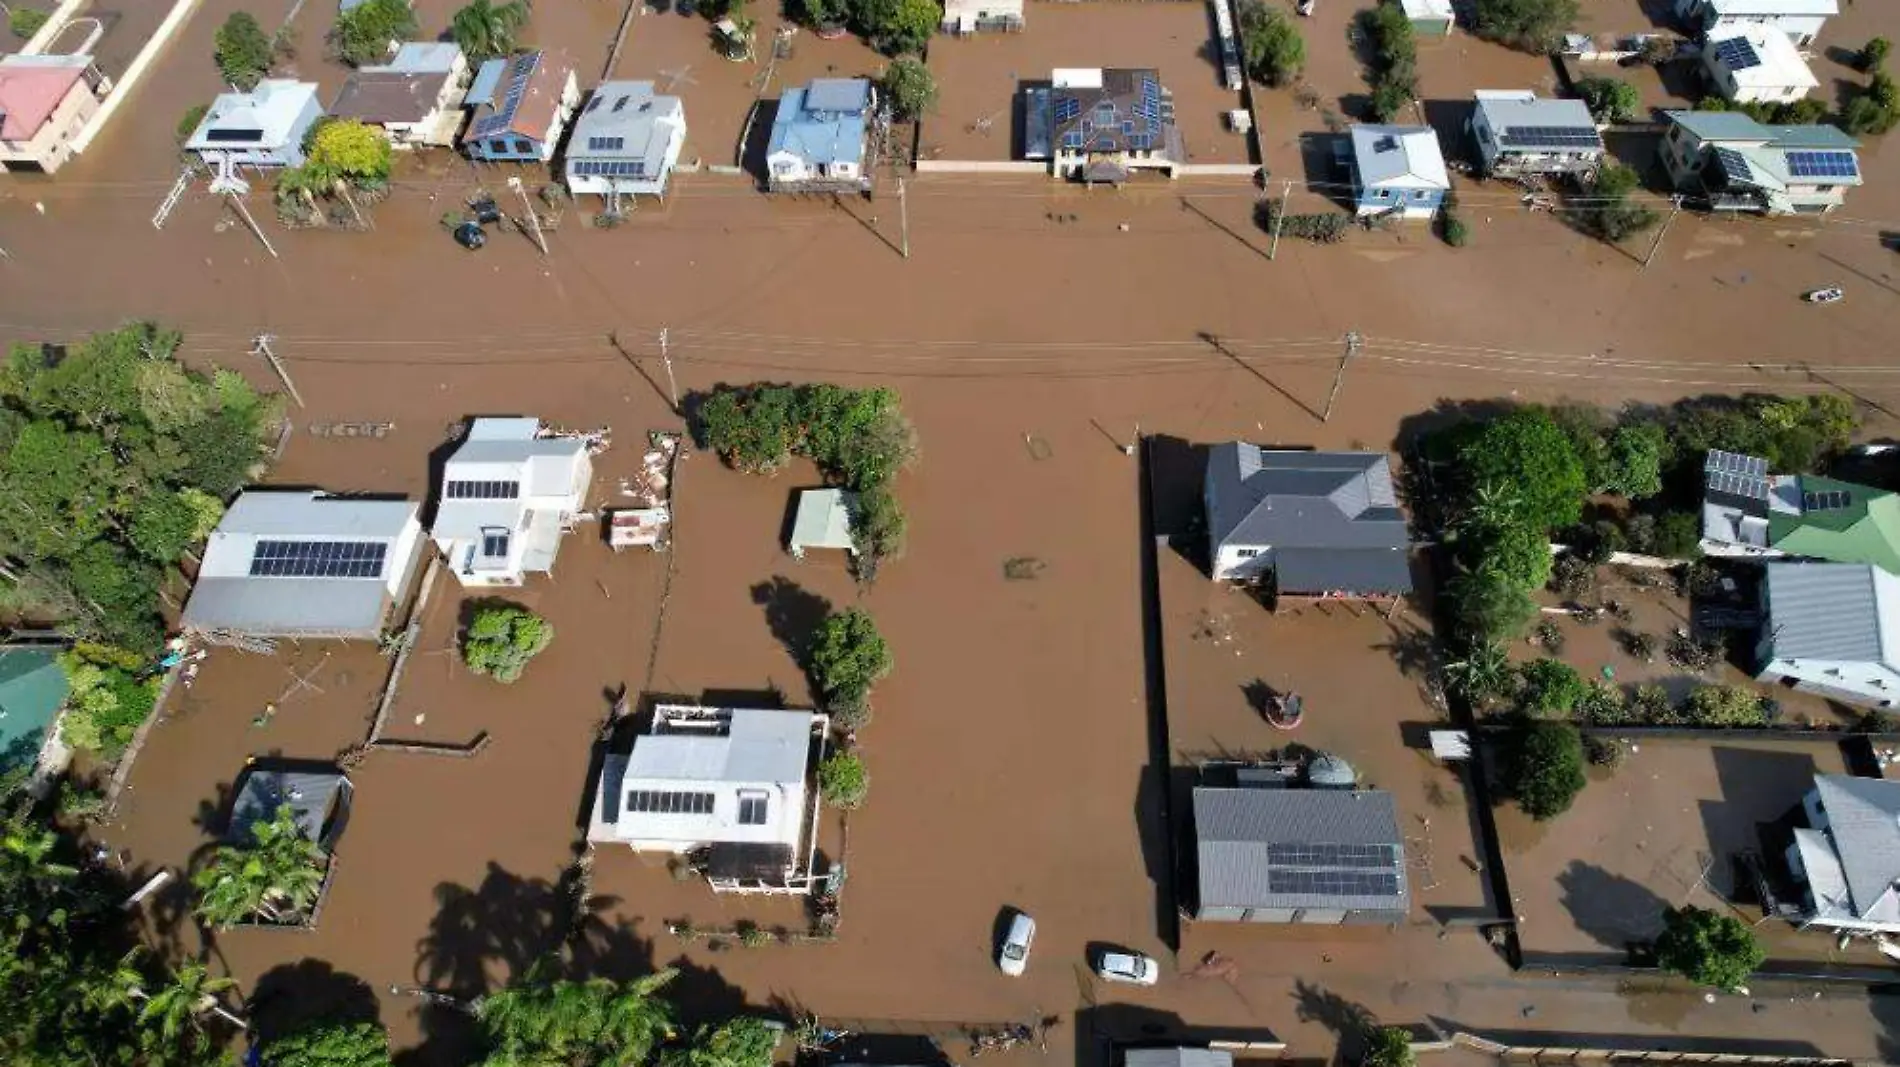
(470,235)
(1131,967)
(1833,294)
(1012,956)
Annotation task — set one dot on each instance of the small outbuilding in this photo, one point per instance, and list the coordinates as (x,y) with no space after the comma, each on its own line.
(318,799)
(823,520)
(1430,18)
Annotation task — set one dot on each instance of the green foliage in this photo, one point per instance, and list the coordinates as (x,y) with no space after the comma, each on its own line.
(824,14)
(164,526)
(1389,1046)
(1528,25)
(1327,228)
(536,1021)
(1454,230)
(1544,769)
(1487,606)
(106,703)
(741,1042)
(1865,115)
(843,780)
(1794,434)
(188,122)
(485,29)
(847,657)
(26,21)
(276,876)
(1271,48)
(1601,705)
(330,1044)
(1482,673)
(1527,451)
(1873,54)
(909,86)
(1725,705)
(1552,688)
(362,35)
(1604,209)
(351,151)
(502,638)
(878,527)
(1678,535)
(1610,100)
(895,27)
(242,51)
(1708,948)
(1633,459)
(1395,59)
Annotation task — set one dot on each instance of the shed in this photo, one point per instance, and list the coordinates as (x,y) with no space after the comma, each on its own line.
(1431,18)
(318,799)
(824,520)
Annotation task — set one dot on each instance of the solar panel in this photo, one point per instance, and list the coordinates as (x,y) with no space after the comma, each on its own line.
(235,136)
(1826,500)
(481,490)
(1736,475)
(318,559)
(606,144)
(1072,139)
(1823,165)
(1735,463)
(1734,166)
(1553,136)
(1333,883)
(1329,855)
(669,802)
(505,113)
(1737,54)
(1067,107)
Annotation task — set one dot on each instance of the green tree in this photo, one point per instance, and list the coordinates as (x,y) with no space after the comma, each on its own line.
(1610,100)
(1489,606)
(1708,948)
(1605,210)
(351,151)
(848,656)
(1544,770)
(877,528)
(242,51)
(598,1022)
(330,1044)
(1526,451)
(1528,25)
(174,1013)
(908,85)
(895,27)
(1725,705)
(502,638)
(1270,46)
(278,874)
(1633,460)
(1873,54)
(26,21)
(1482,673)
(1552,688)
(1389,1046)
(362,35)
(741,1042)
(485,29)
(164,526)
(1678,535)
(825,14)
(843,780)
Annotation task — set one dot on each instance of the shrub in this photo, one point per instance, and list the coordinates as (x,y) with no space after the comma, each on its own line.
(1480,674)
(848,656)
(895,27)
(1572,576)
(1389,1046)
(1489,606)
(1550,636)
(1610,100)
(1650,704)
(1529,25)
(1725,705)
(1328,228)
(909,86)
(363,34)
(351,151)
(1395,59)
(1708,948)
(878,528)
(502,638)
(1602,705)
(1456,233)
(1552,688)
(242,51)
(106,702)
(1678,535)
(1527,451)
(1692,655)
(26,21)
(843,780)
(1863,116)
(824,14)
(1643,646)
(1873,54)
(1604,209)
(1270,45)
(1545,768)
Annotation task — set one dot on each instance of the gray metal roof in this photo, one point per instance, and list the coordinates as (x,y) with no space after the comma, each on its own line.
(1356,570)
(1339,505)
(1831,611)
(1351,843)
(309,794)
(626,120)
(1524,122)
(300,513)
(1407,157)
(823,123)
(823,519)
(1177,1057)
(288,607)
(1863,816)
(756,746)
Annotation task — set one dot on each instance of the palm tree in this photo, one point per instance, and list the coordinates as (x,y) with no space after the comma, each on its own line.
(175,1011)
(278,876)
(486,29)
(600,1021)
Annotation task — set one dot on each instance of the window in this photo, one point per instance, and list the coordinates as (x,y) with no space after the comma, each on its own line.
(495,543)
(669,802)
(752,805)
(498,146)
(522,146)
(1247,553)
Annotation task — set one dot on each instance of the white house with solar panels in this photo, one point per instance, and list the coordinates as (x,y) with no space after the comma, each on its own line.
(509,494)
(626,141)
(1519,134)
(729,785)
(1739,164)
(1799,20)
(1751,64)
(299,563)
(262,128)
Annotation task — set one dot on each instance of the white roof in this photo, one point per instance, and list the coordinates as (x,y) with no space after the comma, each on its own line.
(688,782)
(1826,880)
(1076,78)
(823,519)
(425,57)
(545,473)
(271,109)
(1405,157)
(756,746)
(1833,612)
(1778,63)
(1773,7)
(1426,9)
(308,515)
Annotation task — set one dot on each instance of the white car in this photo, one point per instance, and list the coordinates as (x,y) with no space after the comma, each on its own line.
(1131,967)
(1013,955)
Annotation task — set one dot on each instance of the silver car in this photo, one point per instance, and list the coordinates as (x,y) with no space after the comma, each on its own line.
(1013,955)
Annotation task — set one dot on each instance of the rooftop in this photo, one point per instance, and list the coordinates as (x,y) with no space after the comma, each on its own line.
(520,94)
(309,795)
(424,57)
(1863,817)
(1406,157)
(1109,111)
(264,117)
(1299,848)
(823,520)
(385,95)
(1845,612)
(1774,7)
(32,688)
(1331,518)
(1522,122)
(824,122)
(30,92)
(1758,56)
(627,121)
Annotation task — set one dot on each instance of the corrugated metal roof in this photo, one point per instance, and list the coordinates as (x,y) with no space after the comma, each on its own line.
(817,135)
(1357,570)
(757,746)
(1333,503)
(308,793)
(635,123)
(288,607)
(1406,157)
(1848,612)
(1743,8)
(1236,830)
(1863,817)
(307,514)
(823,519)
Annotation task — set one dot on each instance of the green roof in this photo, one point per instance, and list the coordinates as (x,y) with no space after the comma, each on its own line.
(32,687)
(1865,530)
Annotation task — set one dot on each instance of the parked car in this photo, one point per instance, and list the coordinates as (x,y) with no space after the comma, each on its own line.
(1131,967)
(470,236)
(1012,956)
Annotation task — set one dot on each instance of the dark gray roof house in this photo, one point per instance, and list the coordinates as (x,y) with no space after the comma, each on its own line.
(1324,523)
(1848,858)
(1290,855)
(318,800)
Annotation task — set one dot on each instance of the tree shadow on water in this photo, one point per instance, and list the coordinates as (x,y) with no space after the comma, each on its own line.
(292,996)
(792,612)
(1351,1022)
(509,920)
(1615,911)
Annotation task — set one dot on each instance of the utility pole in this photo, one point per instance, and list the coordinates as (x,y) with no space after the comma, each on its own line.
(1673,212)
(237,203)
(1339,376)
(1279,217)
(903,219)
(260,346)
(534,220)
(666,359)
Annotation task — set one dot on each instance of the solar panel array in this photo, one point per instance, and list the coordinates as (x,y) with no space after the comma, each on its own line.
(1333,883)
(318,559)
(1329,855)
(1551,136)
(1737,54)
(610,168)
(1823,165)
(606,144)
(669,802)
(1736,474)
(481,490)
(1826,500)
(1067,108)
(1148,100)
(1734,165)
(517,88)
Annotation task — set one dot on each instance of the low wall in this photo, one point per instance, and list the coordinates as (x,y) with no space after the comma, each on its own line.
(982,166)
(1216,170)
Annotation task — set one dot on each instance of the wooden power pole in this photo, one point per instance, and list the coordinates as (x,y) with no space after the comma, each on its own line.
(1673,212)
(534,220)
(1339,376)
(1279,217)
(903,219)
(260,346)
(666,360)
